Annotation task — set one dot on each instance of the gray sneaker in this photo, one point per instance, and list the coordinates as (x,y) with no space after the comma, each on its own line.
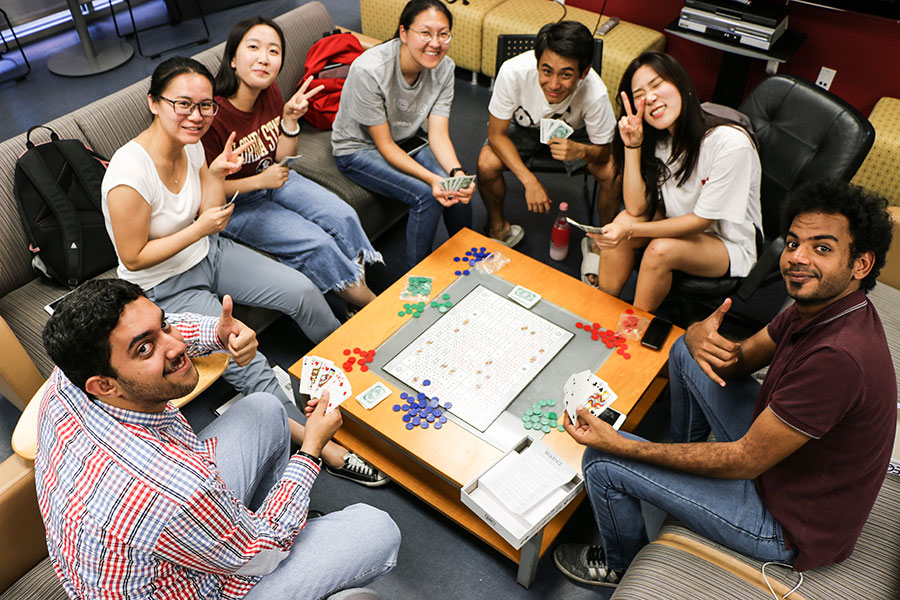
(359,471)
(584,563)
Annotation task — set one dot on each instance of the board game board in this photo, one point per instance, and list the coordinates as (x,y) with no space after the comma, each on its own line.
(479,355)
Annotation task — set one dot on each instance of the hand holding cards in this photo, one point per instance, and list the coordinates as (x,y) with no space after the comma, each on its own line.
(584,228)
(319,374)
(587,390)
(554,128)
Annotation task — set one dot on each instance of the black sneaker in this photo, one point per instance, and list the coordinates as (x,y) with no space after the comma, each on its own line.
(359,471)
(584,563)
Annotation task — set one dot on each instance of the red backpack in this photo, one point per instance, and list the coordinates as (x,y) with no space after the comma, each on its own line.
(328,62)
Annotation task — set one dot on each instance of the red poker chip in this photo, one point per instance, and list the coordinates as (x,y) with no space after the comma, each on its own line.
(370,353)
(629,311)
(347,352)
(595,336)
(620,351)
(610,345)
(348,368)
(626,355)
(364,368)
(579,325)
(351,360)
(357,350)
(595,326)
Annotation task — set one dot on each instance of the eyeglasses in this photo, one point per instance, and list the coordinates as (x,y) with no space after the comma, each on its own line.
(208,108)
(443,37)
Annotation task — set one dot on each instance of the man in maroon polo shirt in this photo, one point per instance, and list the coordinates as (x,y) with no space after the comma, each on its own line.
(799,460)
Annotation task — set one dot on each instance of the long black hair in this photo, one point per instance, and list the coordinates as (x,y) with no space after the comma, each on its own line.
(171,68)
(414,8)
(227,82)
(691,127)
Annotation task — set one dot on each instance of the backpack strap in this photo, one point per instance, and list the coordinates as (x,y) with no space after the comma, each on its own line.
(29,144)
(84,165)
(35,168)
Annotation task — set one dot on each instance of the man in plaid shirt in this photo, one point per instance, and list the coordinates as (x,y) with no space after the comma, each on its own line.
(138,506)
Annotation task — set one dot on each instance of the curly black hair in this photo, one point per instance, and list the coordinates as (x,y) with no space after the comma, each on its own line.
(871,226)
(77,335)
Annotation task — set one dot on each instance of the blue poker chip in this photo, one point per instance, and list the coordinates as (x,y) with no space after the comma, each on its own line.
(423,403)
(457,273)
(433,403)
(466,272)
(455,259)
(406,418)
(409,425)
(416,420)
(437,412)
(404,395)
(483,249)
(396,408)
(438,425)
(448,405)
(426,382)
(421,396)
(443,419)
(405,407)
(430,418)
(424,425)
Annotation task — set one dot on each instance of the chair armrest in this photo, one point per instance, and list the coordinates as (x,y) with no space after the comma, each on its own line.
(765,270)
(23,539)
(365,41)
(890,274)
(19,378)
(209,368)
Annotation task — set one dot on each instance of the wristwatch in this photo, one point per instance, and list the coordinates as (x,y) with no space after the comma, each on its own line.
(315,459)
(455,169)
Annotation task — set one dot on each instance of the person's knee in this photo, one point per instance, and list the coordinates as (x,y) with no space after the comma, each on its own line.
(679,357)
(384,535)
(489,164)
(658,254)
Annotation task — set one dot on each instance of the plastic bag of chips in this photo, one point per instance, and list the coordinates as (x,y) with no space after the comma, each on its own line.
(492,263)
(416,288)
(631,326)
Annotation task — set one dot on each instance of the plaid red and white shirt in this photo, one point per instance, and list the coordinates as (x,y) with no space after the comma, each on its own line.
(134,505)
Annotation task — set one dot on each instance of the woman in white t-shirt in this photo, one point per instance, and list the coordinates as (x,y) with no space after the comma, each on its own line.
(690,182)
(164,208)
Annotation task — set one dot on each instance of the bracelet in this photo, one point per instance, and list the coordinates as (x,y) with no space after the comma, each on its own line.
(626,145)
(315,459)
(455,169)
(290,134)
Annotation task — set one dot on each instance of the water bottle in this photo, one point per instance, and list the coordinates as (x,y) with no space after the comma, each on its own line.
(559,237)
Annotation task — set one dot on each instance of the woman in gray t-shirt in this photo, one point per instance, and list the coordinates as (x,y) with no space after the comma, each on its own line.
(393,90)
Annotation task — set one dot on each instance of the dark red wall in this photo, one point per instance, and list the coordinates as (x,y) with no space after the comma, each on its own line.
(864,50)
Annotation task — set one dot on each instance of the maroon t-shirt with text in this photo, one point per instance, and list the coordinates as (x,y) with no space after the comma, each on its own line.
(832,379)
(262,126)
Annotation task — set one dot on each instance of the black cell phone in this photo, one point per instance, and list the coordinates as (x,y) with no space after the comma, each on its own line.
(613,417)
(412,144)
(656,333)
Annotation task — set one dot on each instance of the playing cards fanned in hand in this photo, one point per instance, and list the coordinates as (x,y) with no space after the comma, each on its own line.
(554,128)
(587,390)
(319,374)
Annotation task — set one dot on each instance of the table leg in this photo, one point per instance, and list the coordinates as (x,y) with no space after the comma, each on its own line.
(91,57)
(528,559)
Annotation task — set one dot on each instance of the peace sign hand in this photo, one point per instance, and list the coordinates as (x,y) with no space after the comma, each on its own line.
(631,125)
(297,106)
(231,159)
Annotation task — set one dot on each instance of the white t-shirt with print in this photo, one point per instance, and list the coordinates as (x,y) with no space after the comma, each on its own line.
(518,97)
(725,187)
(169,212)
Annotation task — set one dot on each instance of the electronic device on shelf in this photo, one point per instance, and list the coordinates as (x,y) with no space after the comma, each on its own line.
(754,23)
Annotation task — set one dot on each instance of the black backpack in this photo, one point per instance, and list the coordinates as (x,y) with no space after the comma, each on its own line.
(57,187)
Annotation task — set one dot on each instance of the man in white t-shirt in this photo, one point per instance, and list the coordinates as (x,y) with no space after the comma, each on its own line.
(555,81)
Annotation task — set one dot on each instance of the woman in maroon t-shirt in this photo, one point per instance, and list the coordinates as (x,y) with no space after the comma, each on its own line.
(277,210)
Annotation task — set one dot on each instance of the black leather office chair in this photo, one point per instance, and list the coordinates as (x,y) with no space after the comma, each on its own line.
(17,72)
(805,134)
(510,45)
(199,38)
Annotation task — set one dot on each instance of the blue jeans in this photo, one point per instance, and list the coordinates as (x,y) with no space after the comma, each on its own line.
(305,227)
(343,549)
(369,169)
(254,280)
(727,511)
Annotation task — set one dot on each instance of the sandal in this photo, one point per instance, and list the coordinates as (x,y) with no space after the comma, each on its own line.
(513,236)
(590,263)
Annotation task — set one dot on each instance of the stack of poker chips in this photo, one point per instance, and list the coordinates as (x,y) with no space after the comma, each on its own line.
(540,417)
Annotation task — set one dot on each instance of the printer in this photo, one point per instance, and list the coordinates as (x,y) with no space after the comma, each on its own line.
(755,23)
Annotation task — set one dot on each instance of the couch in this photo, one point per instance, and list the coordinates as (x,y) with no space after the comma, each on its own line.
(105,125)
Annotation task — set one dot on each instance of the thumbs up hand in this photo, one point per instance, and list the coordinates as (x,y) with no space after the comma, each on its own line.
(238,339)
(710,349)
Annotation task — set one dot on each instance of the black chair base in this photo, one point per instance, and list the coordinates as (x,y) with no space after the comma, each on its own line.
(137,32)
(18,72)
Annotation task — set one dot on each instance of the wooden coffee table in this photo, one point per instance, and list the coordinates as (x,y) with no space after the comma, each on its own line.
(421,461)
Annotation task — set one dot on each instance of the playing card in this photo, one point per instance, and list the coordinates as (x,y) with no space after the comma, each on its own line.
(310,372)
(338,390)
(287,160)
(372,396)
(325,375)
(524,296)
(585,228)
(587,390)
(464,181)
(560,129)
(545,127)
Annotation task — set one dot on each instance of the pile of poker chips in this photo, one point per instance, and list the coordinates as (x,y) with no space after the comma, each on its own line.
(607,336)
(473,256)
(365,356)
(416,287)
(421,411)
(540,417)
(416,308)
